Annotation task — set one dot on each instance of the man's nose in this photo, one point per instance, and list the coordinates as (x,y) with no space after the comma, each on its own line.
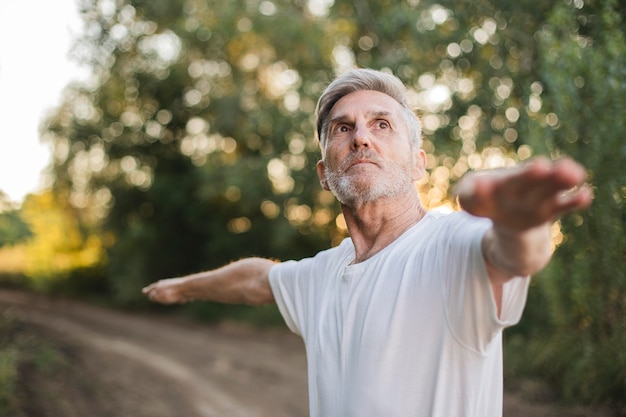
(361,137)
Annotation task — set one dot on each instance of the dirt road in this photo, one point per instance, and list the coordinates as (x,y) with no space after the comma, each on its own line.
(142,365)
(151,366)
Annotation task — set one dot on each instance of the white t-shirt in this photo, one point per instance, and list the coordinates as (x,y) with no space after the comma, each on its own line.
(412,331)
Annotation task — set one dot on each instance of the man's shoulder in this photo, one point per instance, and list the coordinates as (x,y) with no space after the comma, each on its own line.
(456,217)
(447,226)
(342,250)
(339,251)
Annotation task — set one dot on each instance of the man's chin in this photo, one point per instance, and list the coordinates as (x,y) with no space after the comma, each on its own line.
(361,196)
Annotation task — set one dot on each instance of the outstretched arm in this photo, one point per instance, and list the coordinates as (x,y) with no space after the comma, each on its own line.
(522,203)
(242,282)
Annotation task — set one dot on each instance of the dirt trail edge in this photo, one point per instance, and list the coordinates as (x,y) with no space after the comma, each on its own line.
(226,370)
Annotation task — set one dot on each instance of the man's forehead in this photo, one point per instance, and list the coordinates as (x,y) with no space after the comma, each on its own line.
(368,102)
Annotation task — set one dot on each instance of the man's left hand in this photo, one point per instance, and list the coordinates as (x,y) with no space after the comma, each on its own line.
(526,196)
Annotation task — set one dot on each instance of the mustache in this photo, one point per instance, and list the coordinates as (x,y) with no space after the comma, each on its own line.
(359,155)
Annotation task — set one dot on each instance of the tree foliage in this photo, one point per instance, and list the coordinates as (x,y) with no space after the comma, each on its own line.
(194,143)
(12,228)
(583,346)
(59,245)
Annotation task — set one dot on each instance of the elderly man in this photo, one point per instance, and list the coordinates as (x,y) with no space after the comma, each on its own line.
(405,317)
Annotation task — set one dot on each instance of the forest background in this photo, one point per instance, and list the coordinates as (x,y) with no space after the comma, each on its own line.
(192,144)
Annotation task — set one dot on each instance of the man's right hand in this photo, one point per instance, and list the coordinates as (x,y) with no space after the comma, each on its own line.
(167,291)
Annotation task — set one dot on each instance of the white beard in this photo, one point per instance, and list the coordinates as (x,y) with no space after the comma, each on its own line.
(353,189)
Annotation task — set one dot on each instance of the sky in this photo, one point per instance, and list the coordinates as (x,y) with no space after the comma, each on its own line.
(35,41)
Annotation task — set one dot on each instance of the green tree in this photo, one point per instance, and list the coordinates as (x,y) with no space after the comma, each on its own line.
(58,245)
(12,228)
(583,293)
(190,150)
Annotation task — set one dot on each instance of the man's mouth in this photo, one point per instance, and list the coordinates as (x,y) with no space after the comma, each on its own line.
(362,161)
(359,160)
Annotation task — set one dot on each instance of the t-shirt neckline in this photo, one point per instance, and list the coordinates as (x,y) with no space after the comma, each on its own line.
(348,261)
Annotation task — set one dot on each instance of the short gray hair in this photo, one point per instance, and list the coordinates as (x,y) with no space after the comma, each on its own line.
(365,79)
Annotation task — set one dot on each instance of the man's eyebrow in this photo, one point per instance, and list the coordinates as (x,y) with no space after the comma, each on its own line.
(380,113)
(343,118)
(338,119)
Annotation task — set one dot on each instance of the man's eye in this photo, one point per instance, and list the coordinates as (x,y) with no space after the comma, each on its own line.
(382,124)
(342,129)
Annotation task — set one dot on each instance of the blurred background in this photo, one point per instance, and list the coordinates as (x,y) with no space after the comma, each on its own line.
(187,141)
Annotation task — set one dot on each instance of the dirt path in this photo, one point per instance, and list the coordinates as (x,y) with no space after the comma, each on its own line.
(150,366)
(169,364)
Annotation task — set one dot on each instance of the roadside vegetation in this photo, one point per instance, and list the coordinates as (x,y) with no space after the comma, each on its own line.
(25,357)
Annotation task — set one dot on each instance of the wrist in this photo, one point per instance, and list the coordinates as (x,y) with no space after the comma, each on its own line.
(518,252)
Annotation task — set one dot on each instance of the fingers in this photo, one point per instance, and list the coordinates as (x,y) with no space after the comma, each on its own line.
(151,292)
(570,172)
(564,175)
(163,291)
(563,188)
(574,199)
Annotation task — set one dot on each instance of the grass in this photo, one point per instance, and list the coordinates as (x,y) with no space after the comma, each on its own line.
(21,351)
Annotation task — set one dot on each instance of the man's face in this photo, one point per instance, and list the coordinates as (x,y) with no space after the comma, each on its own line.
(368,155)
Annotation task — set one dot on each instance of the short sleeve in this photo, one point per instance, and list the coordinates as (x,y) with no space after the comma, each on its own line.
(299,286)
(288,293)
(471,307)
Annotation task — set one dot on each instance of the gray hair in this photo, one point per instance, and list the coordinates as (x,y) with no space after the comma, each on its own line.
(365,79)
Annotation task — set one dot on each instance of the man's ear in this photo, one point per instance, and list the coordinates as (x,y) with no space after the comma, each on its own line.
(419,164)
(321,167)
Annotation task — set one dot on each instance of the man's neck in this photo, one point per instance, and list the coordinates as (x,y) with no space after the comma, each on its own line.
(374,226)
